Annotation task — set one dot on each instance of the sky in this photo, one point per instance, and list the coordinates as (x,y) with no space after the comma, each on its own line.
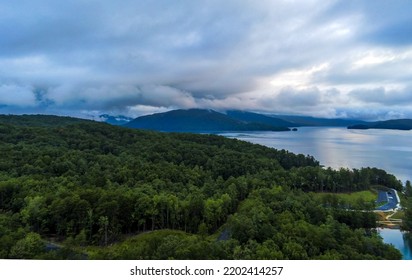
(346,59)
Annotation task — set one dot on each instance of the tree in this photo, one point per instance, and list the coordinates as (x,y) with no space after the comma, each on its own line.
(294,251)
(104,223)
(34,212)
(28,248)
(407,220)
(213,212)
(408,188)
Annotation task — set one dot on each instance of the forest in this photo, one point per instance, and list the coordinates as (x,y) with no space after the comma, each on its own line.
(79,189)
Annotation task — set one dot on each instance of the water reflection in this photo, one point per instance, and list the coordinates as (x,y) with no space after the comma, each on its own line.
(340,147)
(407,240)
(401,241)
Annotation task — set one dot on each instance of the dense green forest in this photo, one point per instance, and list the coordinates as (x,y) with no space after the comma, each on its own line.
(407,220)
(85,185)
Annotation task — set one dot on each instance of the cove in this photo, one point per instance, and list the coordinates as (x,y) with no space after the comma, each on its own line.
(400,240)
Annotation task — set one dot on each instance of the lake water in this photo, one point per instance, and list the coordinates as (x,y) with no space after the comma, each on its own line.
(337,147)
(399,240)
(390,150)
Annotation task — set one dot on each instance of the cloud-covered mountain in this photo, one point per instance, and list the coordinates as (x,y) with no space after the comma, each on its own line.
(198,120)
(115,120)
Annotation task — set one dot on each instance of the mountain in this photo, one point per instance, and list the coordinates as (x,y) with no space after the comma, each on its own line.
(400,124)
(259,118)
(115,120)
(312,121)
(198,120)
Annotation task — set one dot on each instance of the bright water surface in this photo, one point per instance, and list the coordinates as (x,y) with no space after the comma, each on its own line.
(399,240)
(337,147)
(390,150)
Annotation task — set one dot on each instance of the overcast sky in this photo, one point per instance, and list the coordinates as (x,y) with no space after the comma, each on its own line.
(348,58)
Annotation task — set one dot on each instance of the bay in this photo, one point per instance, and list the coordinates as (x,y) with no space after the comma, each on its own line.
(338,147)
(400,240)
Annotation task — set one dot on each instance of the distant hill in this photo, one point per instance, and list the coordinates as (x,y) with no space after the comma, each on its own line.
(312,121)
(259,118)
(400,124)
(198,120)
(39,120)
(115,120)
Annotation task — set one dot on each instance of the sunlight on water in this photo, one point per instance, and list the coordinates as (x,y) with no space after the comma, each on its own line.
(340,147)
(399,240)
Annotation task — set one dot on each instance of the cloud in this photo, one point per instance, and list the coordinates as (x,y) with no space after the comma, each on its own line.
(382,96)
(369,67)
(389,23)
(109,97)
(291,97)
(16,95)
(318,57)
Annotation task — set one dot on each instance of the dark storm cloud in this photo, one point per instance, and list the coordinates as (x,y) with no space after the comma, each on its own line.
(140,56)
(384,97)
(387,23)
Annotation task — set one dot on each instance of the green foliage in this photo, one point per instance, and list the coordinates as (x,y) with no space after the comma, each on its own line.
(28,248)
(287,219)
(361,200)
(407,219)
(10,232)
(85,183)
(408,188)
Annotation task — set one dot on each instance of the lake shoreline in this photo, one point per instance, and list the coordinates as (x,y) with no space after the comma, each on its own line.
(339,147)
(401,240)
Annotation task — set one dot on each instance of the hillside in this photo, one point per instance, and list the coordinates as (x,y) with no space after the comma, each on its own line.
(259,118)
(38,120)
(197,120)
(312,121)
(201,120)
(399,124)
(86,185)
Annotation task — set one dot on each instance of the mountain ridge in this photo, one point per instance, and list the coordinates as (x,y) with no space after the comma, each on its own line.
(260,118)
(397,124)
(198,120)
(314,121)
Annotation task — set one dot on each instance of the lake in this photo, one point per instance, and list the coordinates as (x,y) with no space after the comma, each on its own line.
(399,240)
(337,147)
